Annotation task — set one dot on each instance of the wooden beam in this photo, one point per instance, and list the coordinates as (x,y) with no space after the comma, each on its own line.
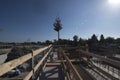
(59,61)
(100,70)
(5,67)
(72,68)
(10,79)
(37,66)
(12,64)
(110,61)
(65,69)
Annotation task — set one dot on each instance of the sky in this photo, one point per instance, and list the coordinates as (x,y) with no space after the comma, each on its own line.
(21,20)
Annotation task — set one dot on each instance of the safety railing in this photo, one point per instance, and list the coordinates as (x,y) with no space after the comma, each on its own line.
(102,58)
(5,67)
(68,68)
(115,63)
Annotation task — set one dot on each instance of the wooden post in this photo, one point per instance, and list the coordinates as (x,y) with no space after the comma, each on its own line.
(86,46)
(51,57)
(59,52)
(113,72)
(108,68)
(118,73)
(33,76)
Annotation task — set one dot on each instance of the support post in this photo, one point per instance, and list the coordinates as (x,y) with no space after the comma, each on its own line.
(118,73)
(86,46)
(33,76)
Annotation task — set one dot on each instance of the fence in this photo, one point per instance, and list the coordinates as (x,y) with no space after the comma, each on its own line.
(5,67)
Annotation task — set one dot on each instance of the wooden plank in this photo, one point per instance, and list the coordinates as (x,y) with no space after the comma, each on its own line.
(37,66)
(64,69)
(52,64)
(100,70)
(84,73)
(10,79)
(36,52)
(28,76)
(5,67)
(12,64)
(110,61)
(75,73)
(59,61)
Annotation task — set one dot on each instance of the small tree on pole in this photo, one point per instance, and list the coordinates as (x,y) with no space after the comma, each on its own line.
(57,27)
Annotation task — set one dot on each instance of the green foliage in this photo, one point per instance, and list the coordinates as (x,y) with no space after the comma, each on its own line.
(102,40)
(48,42)
(94,38)
(110,40)
(57,25)
(17,52)
(118,41)
(75,39)
(65,42)
(82,42)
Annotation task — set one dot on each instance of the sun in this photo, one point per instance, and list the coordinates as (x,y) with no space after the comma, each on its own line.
(114,2)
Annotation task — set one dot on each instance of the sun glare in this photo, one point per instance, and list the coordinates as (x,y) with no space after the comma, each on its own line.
(114,2)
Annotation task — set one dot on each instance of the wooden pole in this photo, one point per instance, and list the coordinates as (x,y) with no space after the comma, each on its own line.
(33,76)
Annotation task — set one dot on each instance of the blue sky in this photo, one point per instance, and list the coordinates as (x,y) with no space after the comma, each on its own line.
(33,19)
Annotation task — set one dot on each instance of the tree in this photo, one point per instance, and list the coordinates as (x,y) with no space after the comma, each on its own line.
(102,39)
(57,26)
(118,41)
(82,42)
(39,42)
(75,39)
(48,42)
(94,39)
(110,40)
